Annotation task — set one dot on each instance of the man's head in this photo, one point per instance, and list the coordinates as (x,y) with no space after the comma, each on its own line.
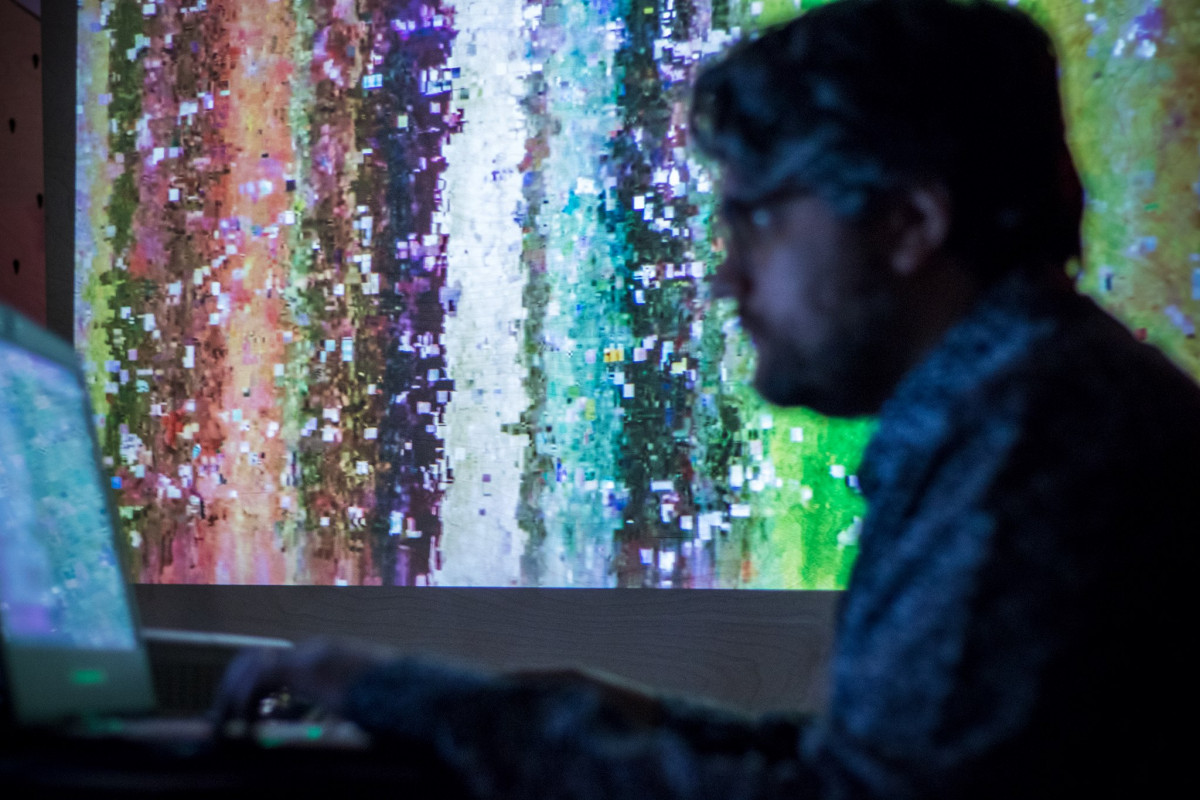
(906,152)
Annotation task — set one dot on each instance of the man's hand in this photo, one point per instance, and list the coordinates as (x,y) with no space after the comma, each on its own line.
(318,672)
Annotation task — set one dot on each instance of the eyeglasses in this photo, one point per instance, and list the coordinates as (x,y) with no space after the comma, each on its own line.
(757,215)
(734,214)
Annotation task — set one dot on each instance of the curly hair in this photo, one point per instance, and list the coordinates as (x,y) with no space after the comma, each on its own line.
(857,99)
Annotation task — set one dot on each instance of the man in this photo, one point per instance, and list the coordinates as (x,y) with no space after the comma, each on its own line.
(900,206)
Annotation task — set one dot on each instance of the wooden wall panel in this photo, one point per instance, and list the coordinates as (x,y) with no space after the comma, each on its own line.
(22,226)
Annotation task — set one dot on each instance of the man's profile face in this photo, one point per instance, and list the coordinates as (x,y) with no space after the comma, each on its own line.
(817,298)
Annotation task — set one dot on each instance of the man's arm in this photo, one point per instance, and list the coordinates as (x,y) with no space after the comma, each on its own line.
(569,735)
(530,738)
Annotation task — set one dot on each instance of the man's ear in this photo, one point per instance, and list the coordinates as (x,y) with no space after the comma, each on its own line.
(920,225)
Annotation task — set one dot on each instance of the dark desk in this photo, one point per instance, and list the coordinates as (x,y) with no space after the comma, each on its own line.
(110,768)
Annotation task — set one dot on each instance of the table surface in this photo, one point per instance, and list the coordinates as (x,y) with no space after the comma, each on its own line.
(102,767)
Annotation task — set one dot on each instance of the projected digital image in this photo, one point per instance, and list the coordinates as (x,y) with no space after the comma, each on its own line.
(404,292)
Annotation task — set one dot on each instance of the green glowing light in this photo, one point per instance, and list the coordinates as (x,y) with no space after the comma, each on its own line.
(88,676)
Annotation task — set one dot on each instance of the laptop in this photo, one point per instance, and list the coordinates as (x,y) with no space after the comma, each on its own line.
(74,658)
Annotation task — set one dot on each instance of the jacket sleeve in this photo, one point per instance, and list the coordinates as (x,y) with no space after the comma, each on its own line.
(504,738)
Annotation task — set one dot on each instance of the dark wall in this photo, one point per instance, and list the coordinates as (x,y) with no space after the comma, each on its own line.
(758,651)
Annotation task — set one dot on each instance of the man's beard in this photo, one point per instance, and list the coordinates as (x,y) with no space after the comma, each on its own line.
(851,375)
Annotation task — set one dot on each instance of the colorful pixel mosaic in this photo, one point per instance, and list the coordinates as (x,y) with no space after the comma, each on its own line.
(414,292)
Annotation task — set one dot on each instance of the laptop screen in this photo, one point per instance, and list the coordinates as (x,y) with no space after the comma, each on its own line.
(71,647)
(60,577)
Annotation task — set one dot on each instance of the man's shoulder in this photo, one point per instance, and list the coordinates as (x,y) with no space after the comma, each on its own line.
(1083,365)
(1085,404)
(1042,375)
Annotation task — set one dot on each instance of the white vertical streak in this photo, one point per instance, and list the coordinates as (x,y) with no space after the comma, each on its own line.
(484,338)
